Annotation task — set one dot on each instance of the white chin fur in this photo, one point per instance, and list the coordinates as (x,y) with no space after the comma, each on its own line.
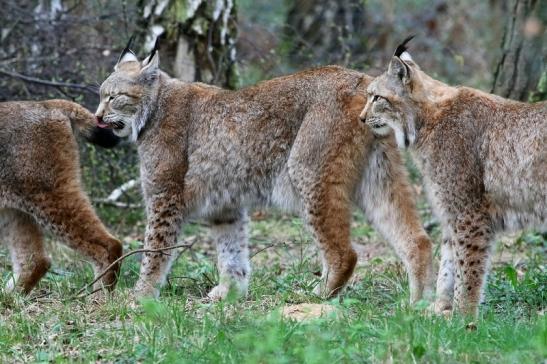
(122,133)
(383,131)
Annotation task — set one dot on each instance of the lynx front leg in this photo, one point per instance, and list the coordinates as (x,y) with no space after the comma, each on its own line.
(388,202)
(26,245)
(471,260)
(231,237)
(164,221)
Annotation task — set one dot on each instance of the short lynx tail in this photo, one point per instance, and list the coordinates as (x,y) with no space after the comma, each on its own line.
(84,122)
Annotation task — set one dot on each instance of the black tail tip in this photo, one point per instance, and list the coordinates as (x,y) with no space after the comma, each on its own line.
(103,138)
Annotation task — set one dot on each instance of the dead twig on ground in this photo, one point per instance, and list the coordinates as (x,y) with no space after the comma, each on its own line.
(267,247)
(136,251)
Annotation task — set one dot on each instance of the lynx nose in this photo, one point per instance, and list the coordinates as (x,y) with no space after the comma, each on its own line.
(363,114)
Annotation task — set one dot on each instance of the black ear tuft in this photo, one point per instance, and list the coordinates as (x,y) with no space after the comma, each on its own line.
(156,48)
(127,48)
(401,48)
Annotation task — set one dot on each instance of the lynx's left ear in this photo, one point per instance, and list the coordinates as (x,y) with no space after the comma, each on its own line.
(127,54)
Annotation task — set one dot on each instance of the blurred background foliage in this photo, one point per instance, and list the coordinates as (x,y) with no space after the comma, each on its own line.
(66,48)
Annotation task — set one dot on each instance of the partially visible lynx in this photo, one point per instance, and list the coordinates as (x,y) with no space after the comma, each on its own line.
(40,188)
(483,159)
(293,141)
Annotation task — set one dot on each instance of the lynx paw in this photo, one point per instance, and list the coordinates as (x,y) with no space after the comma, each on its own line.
(222,291)
(218,293)
(442,307)
(11,285)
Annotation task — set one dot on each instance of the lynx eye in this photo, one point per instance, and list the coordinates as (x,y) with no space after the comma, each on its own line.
(378,98)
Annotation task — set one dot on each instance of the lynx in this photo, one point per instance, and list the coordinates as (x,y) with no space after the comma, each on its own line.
(484,163)
(40,189)
(295,142)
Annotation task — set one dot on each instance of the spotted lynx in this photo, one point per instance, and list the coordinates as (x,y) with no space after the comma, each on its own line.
(40,189)
(484,163)
(295,142)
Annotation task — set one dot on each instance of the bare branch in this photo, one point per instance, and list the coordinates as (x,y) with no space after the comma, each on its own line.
(118,192)
(159,250)
(112,199)
(78,86)
(121,205)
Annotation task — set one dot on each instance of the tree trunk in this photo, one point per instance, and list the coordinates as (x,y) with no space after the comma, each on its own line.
(524,58)
(325,31)
(197,38)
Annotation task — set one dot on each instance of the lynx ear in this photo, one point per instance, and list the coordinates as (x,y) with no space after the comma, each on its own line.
(127,54)
(398,66)
(155,49)
(402,48)
(152,64)
(399,69)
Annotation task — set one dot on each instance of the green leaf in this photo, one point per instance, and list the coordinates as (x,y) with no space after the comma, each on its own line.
(511,275)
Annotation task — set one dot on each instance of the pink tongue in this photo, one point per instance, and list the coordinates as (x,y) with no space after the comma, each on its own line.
(100,123)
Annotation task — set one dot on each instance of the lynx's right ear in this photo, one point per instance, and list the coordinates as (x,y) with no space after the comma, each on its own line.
(127,55)
(151,64)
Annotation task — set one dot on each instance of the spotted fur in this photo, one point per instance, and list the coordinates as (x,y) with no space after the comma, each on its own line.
(484,164)
(295,142)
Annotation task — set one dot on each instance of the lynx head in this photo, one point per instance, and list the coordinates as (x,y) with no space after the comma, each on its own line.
(127,95)
(390,100)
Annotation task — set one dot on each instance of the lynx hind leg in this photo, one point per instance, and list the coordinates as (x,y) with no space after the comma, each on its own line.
(387,200)
(471,261)
(323,174)
(26,246)
(70,217)
(327,213)
(445,278)
(231,237)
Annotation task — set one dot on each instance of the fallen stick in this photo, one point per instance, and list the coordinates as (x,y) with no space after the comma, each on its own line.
(159,250)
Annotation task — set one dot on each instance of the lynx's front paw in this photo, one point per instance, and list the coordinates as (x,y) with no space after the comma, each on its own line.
(322,291)
(218,293)
(442,307)
(223,290)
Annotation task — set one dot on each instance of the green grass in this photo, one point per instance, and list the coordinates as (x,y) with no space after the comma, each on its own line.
(372,322)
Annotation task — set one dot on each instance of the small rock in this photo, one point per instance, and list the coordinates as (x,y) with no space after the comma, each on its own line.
(307,311)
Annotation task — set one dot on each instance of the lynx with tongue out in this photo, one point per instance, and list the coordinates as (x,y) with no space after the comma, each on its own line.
(295,142)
